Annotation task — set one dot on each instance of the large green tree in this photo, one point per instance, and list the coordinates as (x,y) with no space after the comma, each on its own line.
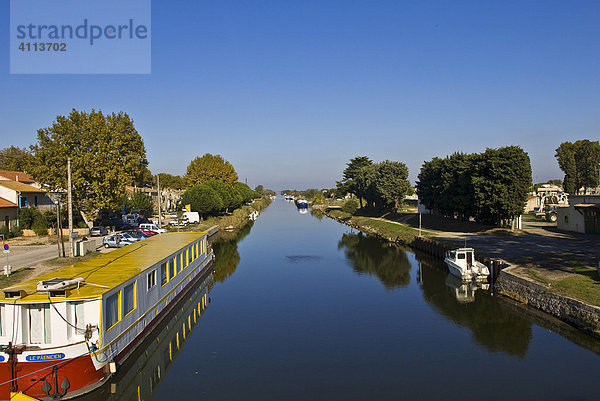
(348,183)
(230,197)
(202,199)
(210,167)
(107,154)
(580,161)
(501,182)
(15,159)
(382,185)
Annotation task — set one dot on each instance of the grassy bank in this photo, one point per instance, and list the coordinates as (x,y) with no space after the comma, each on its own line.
(389,230)
(235,220)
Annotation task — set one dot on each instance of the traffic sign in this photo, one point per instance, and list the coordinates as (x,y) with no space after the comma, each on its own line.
(6,247)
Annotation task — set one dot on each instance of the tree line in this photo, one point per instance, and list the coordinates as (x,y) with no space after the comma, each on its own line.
(580,161)
(491,187)
(107,153)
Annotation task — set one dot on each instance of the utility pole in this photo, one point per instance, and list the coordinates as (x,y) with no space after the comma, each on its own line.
(58,226)
(159,202)
(71,253)
(62,240)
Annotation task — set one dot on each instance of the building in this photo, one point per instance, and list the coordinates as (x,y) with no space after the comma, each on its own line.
(9,213)
(582,215)
(19,176)
(24,195)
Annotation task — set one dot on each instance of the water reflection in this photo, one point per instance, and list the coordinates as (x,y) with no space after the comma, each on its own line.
(374,257)
(464,291)
(225,246)
(139,377)
(302,210)
(491,322)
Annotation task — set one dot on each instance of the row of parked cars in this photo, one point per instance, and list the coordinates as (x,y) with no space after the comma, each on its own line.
(119,240)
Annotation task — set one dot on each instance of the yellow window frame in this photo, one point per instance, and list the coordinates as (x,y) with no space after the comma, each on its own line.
(134,298)
(119,311)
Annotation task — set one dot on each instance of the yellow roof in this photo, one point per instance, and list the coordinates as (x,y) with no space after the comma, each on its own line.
(110,269)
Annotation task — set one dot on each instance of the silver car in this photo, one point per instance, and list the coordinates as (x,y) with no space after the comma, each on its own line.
(117,241)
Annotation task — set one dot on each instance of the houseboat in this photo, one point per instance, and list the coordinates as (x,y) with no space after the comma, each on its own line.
(462,264)
(65,333)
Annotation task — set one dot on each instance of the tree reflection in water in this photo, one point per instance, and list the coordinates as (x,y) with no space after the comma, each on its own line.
(374,257)
(492,323)
(225,247)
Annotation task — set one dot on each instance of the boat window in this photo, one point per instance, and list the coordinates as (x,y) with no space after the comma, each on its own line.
(129,299)
(39,324)
(190,255)
(75,318)
(112,310)
(196,247)
(2,320)
(173,266)
(152,278)
(163,274)
(180,261)
(461,256)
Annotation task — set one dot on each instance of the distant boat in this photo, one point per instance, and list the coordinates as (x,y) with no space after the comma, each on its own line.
(462,264)
(301,203)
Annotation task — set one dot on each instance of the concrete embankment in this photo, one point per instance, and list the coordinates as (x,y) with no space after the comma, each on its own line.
(514,284)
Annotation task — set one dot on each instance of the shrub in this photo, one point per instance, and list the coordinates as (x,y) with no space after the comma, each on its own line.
(5,232)
(16,231)
(350,206)
(27,216)
(39,226)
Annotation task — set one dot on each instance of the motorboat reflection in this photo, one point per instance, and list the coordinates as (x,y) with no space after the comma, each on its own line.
(464,291)
(303,210)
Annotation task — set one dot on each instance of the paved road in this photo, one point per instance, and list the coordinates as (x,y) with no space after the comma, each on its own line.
(22,256)
(543,243)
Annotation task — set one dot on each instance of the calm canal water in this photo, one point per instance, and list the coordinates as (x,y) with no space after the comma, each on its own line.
(307,309)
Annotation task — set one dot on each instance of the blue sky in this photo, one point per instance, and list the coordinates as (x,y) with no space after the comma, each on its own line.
(288,91)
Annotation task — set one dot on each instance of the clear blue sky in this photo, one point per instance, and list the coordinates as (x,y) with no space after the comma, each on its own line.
(288,91)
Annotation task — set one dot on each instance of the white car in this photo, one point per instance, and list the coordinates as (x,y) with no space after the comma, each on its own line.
(152,227)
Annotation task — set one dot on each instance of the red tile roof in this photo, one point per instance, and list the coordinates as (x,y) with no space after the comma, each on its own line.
(13,175)
(5,203)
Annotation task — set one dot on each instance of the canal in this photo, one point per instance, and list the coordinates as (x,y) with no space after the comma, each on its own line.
(304,308)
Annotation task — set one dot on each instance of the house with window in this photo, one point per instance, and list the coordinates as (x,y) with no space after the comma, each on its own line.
(24,195)
(582,215)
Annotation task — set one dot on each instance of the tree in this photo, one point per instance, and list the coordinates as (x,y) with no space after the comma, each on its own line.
(430,184)
(210,167)
(348,184)
(202,199)
(140,201)
(391,183)
(15,159)
(501,181)
(227,193)
(383,184)
(107,154)
(171,181)
(245,192)
(580,161)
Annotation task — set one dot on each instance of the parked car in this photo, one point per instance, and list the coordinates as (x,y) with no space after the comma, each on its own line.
(152,227)
(117,240)
(147,232)
(137,235)
(98,230)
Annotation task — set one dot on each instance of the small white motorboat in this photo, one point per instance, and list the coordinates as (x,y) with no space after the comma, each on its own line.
(462,264)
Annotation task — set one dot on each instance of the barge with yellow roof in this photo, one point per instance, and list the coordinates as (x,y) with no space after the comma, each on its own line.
(65,332)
